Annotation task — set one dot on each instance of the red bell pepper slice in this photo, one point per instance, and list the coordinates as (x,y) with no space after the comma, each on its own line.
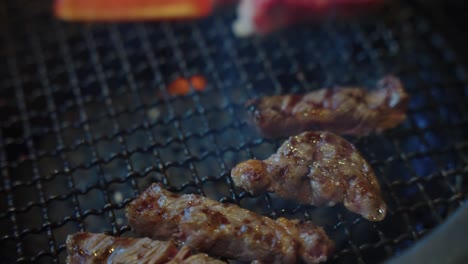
(131,10)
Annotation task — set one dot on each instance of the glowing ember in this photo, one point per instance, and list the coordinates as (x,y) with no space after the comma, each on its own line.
(182,86)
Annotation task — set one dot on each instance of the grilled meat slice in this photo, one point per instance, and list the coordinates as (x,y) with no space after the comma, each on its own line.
(317,168)
(342,110)
(225,229)
(100,248)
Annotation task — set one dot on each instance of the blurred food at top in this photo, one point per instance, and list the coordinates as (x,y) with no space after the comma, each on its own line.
(253,16)
(130,10)
(265,16)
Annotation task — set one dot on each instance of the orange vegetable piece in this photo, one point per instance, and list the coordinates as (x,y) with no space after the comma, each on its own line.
(131,10)
(181,86)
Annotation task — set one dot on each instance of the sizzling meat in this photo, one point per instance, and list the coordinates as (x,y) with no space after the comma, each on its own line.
(225,229)
(317,168)
(342,110)
(99,248)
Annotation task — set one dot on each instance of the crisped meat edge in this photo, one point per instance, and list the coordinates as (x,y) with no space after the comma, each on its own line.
(85,247)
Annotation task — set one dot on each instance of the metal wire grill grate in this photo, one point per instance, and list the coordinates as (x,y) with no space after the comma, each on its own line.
(86,122)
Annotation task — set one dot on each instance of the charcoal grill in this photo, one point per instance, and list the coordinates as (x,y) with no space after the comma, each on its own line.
(87,124)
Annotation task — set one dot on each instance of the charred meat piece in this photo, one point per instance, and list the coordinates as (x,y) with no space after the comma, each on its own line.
(100,248)
(265,16)
(225,229)
(342,110)
(317,168)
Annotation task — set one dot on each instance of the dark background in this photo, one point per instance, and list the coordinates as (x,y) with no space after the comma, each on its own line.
(450,18)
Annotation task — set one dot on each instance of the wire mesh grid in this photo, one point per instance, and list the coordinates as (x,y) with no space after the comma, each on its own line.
(87,123)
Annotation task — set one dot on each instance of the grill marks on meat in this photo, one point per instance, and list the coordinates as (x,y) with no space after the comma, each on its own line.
(99,248)
(225,229)
(317,168)
(342,110)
